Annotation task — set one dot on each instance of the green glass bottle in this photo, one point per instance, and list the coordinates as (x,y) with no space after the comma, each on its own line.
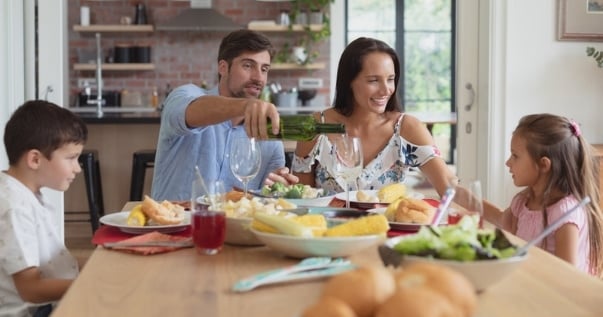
(303,128)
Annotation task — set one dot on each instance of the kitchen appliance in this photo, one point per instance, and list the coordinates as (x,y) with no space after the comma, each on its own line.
(200,17)
(112,99)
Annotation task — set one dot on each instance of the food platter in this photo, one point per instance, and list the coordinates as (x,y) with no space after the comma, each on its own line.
(403,226)
(354,202)
(119,220)
(311,202)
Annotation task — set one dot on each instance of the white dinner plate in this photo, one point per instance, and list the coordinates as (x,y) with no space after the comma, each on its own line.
(367,205)
(119,220)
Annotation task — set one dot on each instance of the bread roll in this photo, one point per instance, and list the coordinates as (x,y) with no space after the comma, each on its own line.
(164,213)
(446,281)
(414,211)
(329,307)
(363,289)
(417,302)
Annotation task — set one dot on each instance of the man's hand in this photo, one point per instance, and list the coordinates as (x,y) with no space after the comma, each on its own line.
(281,175)
(256,114)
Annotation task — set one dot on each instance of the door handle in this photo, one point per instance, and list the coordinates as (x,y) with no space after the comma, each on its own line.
(469,87)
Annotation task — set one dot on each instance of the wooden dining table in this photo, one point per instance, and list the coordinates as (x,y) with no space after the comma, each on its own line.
(185,283)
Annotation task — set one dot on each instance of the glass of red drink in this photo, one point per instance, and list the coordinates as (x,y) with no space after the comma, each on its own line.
(208,221)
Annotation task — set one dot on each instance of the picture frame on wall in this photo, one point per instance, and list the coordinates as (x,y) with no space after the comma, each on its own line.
(580,20)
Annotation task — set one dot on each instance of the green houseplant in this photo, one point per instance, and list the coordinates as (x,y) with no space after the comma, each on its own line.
(596,55)
(310,36)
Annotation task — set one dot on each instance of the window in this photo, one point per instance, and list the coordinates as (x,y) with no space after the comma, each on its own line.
(422,32)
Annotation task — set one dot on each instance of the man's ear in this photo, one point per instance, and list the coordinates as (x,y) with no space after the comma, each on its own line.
(223,68)
(33,158)
(545,164)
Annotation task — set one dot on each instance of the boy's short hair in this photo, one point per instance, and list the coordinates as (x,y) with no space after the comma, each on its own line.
(43,126)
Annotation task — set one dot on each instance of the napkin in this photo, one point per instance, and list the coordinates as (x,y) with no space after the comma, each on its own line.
(106,234)
(153,236)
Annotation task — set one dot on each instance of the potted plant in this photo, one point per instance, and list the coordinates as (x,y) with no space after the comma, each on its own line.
(596,55)
(302,52)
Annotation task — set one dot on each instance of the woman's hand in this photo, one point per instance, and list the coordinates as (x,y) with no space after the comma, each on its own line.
(281,175)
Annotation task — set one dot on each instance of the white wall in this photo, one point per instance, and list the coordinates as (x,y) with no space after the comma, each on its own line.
(540,74)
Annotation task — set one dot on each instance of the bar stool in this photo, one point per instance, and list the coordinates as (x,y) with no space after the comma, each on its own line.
(141,160)
(90,165)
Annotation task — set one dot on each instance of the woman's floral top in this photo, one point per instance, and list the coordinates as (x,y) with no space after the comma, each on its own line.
(389,166)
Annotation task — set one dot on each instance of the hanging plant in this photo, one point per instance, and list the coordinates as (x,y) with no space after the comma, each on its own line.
(597,55)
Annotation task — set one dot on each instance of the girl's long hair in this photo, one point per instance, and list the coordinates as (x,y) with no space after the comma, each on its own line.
(574,170)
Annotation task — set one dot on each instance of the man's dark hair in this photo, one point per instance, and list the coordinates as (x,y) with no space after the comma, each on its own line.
(241,41)
(43,126)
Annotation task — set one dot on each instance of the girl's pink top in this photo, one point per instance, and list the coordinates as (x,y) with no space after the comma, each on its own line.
(530,224)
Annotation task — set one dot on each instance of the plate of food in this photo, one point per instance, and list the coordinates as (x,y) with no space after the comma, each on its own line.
(120,220)
(164,217)
(408,214)
(367,199)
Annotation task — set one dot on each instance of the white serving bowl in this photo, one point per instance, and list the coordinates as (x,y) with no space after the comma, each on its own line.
(311,202)
(238,232)
(298,247)
(481,273)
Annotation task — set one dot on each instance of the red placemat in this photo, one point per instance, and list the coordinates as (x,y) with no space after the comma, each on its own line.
(106,234)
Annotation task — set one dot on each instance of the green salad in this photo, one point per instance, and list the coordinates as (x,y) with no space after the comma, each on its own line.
(296,191)
(463,241)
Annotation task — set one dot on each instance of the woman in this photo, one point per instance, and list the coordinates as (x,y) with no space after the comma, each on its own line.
(366,103)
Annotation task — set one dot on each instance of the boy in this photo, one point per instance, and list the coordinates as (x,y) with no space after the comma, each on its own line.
(43,142)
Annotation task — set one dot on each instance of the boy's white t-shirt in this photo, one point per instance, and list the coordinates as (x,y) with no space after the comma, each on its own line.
(28,238)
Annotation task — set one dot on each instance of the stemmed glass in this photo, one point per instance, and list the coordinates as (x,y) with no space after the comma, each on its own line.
(347,161)
(245,159)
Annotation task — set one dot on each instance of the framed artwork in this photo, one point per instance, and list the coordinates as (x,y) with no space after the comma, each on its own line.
(580,20)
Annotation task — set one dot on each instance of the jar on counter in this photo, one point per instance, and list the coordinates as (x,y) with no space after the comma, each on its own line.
(283,18)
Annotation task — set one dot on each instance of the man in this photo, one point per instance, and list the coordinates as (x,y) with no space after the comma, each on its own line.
(198,125)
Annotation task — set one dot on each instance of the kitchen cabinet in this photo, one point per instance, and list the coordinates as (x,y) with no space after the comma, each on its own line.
(114,28)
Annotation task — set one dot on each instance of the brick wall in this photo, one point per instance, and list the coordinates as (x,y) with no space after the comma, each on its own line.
(179,57)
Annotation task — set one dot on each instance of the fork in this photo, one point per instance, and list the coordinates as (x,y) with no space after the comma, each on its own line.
(307,268)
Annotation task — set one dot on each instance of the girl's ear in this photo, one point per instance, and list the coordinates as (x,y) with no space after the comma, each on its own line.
(545,164)
(33,158)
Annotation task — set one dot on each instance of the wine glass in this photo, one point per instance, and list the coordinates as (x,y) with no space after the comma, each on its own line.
(245,159)
(468,196)
(347,161)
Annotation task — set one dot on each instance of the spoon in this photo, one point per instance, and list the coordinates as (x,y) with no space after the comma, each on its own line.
(550,228)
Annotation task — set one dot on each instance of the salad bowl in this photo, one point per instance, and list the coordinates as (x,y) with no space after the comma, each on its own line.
(484,257)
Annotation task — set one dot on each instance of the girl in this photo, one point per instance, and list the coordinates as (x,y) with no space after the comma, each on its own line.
(553,161)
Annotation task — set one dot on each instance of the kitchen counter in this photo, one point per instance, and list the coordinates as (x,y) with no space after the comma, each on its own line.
(119,115)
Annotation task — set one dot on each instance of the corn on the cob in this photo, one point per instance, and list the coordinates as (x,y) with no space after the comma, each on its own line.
(316,222)
(391,192)
(284,225)
(390,211)
(136,217)
(369,225)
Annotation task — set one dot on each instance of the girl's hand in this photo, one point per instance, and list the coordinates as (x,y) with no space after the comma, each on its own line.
(281,175)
